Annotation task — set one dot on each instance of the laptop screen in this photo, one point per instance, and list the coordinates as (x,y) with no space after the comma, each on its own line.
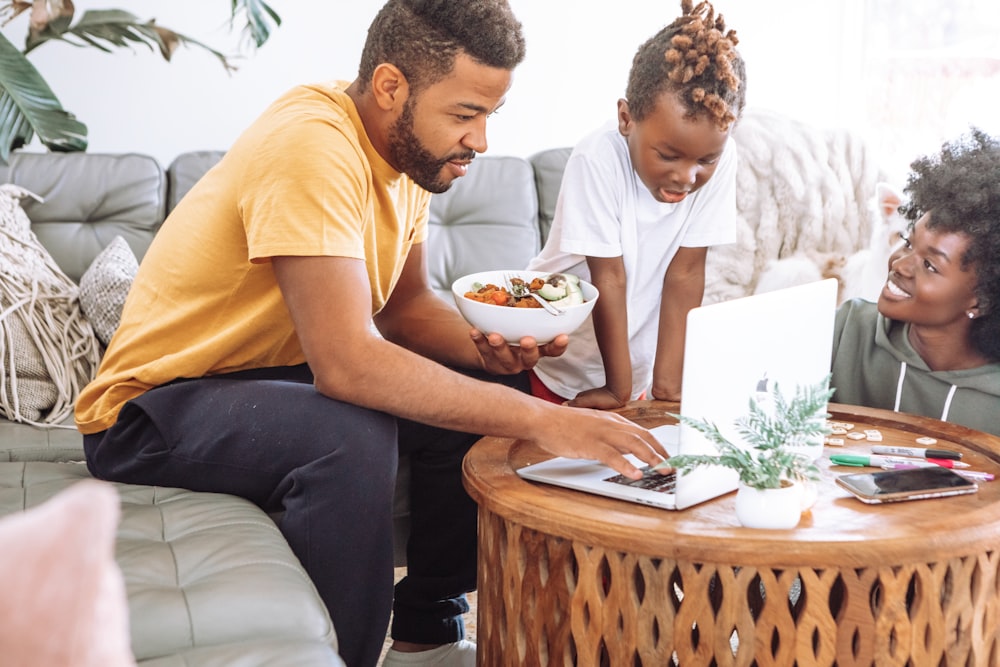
(734,349)
(740,348)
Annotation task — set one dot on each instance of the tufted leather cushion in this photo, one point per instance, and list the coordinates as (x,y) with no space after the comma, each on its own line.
(185,171)
(89,199)
(487,220)
(250,653)
(210,579)
(548,165)
(23,442)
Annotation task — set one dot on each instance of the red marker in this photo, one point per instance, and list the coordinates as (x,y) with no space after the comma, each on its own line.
(878,460)
(948,463)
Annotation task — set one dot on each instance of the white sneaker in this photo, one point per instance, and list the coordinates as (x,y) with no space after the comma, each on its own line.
(460,654)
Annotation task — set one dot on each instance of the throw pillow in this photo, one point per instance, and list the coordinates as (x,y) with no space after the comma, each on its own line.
(64,602)
(104,286)
(48,350)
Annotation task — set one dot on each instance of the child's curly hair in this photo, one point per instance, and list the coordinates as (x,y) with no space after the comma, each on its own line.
(696,57)
(960,188)
(423,37)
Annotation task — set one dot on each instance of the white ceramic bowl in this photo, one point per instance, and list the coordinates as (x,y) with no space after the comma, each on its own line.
(516,323)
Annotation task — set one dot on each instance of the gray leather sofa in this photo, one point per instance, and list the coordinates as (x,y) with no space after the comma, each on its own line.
(210,581)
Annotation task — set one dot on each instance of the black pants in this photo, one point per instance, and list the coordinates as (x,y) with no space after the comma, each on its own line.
(329,467)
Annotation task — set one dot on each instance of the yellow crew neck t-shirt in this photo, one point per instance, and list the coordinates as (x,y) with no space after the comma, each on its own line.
(303,180)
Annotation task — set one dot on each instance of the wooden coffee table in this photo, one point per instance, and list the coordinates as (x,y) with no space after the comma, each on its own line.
(569,578)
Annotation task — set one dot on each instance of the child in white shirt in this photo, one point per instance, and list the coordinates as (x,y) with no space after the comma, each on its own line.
(640,203)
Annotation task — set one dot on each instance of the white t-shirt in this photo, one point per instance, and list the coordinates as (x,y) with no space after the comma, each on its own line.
(604,210)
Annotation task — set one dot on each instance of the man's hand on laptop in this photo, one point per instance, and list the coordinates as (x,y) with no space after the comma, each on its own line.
(600,436)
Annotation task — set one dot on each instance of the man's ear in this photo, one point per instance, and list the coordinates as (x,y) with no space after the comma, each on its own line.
(389,87)
(624,118)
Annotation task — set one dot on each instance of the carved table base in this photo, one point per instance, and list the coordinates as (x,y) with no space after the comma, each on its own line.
(571,579)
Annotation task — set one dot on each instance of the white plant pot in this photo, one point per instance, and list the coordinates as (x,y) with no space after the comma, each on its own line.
(810,493)
(769,508)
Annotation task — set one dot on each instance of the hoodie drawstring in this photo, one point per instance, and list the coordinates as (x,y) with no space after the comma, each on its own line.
(899,393)
(899,385)
(947,402)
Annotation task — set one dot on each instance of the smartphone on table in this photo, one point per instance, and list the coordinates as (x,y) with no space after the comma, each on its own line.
(889,486)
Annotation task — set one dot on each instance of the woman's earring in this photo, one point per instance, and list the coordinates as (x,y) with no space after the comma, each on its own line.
(971,315)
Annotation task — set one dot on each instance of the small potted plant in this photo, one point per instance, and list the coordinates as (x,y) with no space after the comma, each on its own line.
(773,465)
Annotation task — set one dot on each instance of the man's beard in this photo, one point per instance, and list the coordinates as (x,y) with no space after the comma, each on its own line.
(410,157)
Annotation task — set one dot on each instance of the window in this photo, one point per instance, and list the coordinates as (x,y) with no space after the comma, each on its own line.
(929,70)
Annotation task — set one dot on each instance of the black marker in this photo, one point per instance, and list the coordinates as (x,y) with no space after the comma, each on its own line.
(918,452)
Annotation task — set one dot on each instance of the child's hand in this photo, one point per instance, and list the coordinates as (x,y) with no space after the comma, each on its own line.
(600,398)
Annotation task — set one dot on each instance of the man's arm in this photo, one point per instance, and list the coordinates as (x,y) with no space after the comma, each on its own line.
(683,289)
(610,317)
(329,300)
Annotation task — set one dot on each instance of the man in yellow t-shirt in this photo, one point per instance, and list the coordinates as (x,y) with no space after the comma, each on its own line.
(246,363)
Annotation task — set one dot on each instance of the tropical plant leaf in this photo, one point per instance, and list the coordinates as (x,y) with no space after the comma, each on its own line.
(28,107)
(11,9)
(261,20)
(106,29)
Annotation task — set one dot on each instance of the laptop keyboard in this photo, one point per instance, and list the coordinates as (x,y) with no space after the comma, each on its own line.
(662,482)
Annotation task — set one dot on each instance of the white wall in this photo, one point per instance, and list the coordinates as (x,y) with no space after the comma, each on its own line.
(804,58)
(575,70)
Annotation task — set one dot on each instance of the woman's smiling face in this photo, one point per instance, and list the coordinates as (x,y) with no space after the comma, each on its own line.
(927,283)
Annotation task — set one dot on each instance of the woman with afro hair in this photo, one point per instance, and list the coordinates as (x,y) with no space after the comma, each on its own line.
(931,344)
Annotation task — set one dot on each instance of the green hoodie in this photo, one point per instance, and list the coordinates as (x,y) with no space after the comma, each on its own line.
(874,365)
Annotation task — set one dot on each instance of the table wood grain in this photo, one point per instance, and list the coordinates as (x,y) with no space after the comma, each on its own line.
(569,578)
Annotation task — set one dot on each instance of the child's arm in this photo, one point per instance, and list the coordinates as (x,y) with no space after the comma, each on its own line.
(683,289)
(610,318)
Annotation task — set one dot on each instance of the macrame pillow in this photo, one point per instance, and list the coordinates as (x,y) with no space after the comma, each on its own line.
(48,350)
(104,286)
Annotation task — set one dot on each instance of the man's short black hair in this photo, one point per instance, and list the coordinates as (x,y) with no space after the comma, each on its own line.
(423,37)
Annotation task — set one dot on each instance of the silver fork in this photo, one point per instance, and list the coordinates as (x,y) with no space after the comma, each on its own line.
(521,290)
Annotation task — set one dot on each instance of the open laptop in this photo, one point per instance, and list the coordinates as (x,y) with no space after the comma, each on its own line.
(733,350)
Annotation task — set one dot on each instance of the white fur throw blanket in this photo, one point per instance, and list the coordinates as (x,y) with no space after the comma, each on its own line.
(799,189)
